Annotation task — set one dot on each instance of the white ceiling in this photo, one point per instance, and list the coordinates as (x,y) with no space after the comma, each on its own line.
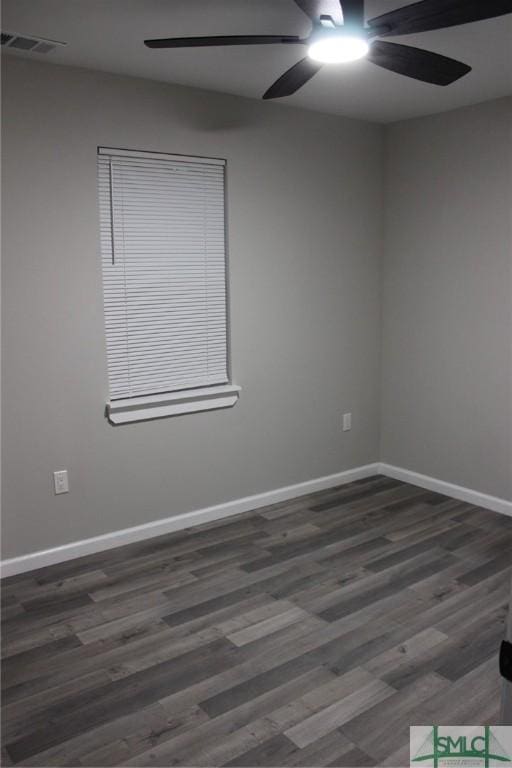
(108,34)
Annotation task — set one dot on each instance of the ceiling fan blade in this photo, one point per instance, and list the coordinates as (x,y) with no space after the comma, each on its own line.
(199,42)
(293,79)
(317,8)
(416,63)
(436,14)
(353,12)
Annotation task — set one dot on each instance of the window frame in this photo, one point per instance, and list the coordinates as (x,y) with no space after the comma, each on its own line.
(143,407)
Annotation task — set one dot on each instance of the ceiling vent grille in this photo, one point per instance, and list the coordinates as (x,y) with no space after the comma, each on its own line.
(29,43)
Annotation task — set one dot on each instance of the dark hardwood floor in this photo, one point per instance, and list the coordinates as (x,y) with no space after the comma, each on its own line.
(310,633)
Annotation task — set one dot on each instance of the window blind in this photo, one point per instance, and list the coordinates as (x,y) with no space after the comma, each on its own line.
(162,225)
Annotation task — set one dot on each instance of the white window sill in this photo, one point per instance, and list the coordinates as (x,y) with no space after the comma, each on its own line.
(172,403)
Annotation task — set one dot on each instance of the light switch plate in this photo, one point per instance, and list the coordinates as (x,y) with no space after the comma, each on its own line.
(60,481)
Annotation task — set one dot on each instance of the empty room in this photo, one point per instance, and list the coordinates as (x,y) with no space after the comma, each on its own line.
(257,383)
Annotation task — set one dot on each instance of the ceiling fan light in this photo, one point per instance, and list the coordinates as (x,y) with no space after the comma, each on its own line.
(338,49)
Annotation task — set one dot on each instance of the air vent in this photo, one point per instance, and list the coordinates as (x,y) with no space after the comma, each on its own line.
(29,43)
(23,43)
(44,47)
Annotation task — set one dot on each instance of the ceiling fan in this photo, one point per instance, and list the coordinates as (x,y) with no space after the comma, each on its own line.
(339,34)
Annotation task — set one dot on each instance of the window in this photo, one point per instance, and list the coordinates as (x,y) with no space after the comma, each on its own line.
(162,229)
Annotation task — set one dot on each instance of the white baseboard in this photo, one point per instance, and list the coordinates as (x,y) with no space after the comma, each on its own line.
(448,489)
(75,549)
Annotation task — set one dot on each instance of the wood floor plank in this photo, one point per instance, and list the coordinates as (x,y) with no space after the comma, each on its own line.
(329,750)
(267,626)
(384,728)
(276,751)
(334,716)
(406,652)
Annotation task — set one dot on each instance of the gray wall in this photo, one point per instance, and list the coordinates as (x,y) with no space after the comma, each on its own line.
(447,297)
(306,230)
(305,205)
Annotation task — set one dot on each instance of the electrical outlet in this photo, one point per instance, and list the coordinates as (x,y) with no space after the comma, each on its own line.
(347,422)
(60,481)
